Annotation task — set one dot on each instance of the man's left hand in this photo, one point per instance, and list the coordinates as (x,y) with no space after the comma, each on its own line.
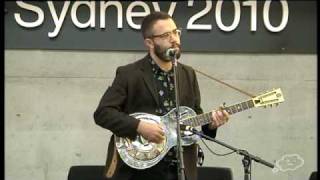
(219,117)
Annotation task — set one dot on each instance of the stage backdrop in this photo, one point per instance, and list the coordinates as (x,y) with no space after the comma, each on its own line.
(215,26)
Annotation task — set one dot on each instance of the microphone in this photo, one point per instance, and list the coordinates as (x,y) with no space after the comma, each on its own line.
(171,52)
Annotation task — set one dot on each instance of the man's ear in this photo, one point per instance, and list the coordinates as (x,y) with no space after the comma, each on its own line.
(148,43)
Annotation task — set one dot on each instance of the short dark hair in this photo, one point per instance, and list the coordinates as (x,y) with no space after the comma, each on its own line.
(150,20)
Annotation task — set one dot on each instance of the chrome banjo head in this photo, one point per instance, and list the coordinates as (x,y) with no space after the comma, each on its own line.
(140,153)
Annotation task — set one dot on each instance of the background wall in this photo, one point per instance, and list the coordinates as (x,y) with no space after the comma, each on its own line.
(50,97)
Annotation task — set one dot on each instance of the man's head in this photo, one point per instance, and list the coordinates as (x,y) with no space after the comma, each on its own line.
(160,33)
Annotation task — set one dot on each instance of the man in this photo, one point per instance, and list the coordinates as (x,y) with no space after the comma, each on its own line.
(147,85)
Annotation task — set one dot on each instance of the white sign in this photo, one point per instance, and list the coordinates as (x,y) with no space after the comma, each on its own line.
(192,24)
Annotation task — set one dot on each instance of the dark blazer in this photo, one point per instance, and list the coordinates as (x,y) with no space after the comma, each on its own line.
(134,90)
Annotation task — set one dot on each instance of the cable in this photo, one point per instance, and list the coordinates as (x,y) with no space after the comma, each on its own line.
(215,152)
(201,135)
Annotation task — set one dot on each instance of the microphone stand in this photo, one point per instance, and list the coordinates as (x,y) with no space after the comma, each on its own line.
(179,154)
(246,161)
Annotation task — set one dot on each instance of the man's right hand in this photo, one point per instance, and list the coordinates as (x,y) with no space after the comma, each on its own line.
(151,131)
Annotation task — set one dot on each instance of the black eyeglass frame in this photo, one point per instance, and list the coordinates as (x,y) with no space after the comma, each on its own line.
(165,35)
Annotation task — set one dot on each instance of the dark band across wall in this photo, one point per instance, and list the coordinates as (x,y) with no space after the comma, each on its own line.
(250,26)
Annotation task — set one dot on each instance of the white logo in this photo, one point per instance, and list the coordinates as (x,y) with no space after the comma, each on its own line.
(288,162)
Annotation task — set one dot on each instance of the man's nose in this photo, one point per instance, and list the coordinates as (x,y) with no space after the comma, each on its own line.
(174,38)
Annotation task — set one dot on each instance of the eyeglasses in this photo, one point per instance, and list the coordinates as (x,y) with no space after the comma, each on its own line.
(167,35)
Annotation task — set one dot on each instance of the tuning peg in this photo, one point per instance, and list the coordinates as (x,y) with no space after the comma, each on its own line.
(277,104)
(265,106)
(270,105)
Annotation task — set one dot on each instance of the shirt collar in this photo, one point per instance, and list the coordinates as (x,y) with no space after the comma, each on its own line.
(157,70)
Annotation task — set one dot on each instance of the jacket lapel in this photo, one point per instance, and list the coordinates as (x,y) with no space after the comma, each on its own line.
(148,78)
(180,81)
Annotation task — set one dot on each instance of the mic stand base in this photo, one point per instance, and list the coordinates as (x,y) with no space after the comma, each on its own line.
(246,162)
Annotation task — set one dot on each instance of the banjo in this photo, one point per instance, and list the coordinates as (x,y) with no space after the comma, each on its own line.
(141,154)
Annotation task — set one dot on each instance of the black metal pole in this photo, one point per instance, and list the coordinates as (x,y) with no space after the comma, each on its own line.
(246,162)
(181,174)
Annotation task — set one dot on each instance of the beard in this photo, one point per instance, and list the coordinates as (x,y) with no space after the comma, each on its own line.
(161,52)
